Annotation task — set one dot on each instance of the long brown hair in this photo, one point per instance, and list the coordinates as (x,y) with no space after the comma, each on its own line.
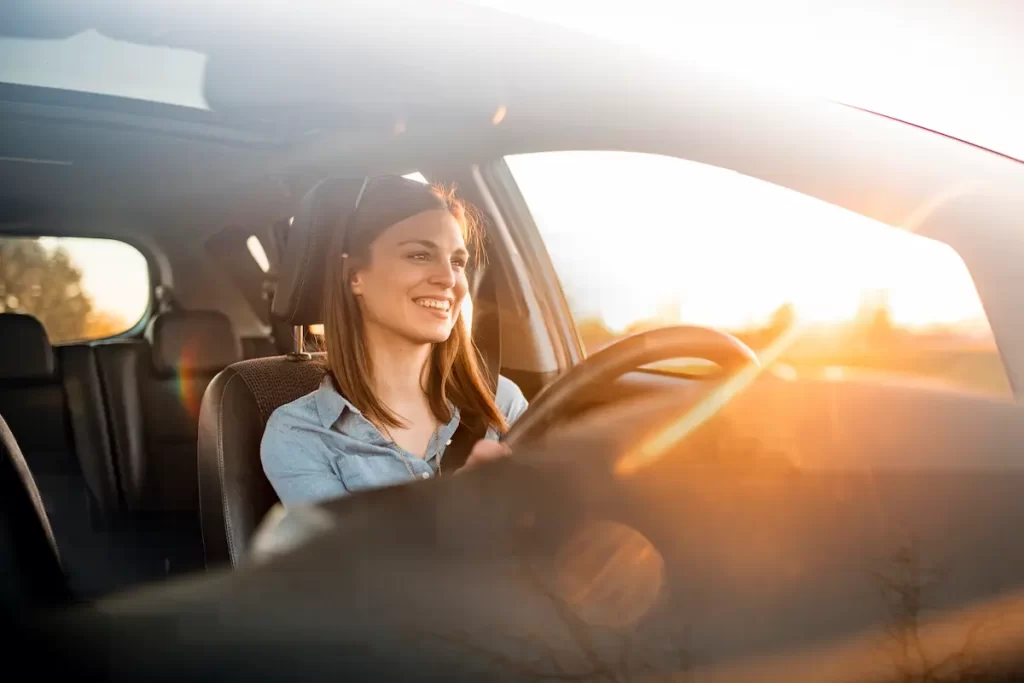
(454,376)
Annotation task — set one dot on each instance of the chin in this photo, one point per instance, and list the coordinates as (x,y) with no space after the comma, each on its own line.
(432,336)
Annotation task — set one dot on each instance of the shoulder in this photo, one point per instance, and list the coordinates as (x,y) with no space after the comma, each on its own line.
(509,399)
(288,423)
(300,412)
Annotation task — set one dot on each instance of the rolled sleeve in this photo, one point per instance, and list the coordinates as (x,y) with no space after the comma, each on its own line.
(510,401)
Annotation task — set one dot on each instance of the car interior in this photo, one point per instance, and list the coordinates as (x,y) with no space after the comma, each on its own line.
(130,481)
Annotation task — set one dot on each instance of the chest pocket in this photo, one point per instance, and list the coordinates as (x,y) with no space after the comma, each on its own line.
(364,472)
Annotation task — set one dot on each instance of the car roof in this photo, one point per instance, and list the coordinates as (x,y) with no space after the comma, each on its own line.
(357,87)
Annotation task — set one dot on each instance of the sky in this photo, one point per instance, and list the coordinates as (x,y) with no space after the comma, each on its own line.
(115,275)
(633,234)
(946,65)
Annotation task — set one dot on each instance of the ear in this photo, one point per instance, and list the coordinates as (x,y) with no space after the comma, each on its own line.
(356,283)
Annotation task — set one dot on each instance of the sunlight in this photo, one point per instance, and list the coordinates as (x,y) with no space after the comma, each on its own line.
(661,441)
(640,255)
(902,59)
(257,252)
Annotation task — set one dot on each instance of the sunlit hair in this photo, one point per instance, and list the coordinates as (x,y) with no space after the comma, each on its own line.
(454,376)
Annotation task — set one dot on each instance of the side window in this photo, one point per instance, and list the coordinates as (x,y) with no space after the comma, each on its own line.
(79,288)
(641,241)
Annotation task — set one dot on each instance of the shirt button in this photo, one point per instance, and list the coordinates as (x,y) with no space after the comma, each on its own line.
(425,475)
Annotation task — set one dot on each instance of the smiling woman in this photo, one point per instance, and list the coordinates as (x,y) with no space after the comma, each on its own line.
(403,374)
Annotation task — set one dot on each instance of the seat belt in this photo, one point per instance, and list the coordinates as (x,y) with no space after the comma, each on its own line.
(487,332)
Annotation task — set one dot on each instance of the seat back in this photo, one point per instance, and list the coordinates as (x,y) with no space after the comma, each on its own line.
(53,411)
(28,553)
(32,401)
(154,390)
(234,493)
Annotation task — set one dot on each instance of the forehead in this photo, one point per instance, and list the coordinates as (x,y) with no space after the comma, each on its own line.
(438,226)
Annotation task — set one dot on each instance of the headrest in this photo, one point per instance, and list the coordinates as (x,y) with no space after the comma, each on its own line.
(25,350)
(192,341)
(334,209)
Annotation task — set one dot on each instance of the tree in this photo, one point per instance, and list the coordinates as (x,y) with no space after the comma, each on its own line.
(44,283)
(100,324)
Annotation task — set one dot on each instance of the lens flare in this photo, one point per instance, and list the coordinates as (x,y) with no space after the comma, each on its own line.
(662,440)
(190,391)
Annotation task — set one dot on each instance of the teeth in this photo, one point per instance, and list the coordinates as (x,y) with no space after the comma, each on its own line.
(439,304)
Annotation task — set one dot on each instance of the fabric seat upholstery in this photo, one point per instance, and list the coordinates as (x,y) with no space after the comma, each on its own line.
(234,493)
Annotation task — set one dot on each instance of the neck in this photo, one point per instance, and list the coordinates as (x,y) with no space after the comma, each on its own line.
(398,368)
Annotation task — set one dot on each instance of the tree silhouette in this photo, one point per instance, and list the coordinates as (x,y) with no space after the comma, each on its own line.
(44,283)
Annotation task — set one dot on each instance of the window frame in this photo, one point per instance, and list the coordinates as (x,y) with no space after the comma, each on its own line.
(152,273)
(539,270)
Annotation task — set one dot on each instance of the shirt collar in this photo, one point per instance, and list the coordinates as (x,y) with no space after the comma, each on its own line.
(330,404)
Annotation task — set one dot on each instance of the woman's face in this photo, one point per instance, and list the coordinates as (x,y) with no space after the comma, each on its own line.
(415,281)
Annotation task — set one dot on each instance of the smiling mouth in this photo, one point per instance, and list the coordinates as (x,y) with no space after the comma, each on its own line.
(442,305)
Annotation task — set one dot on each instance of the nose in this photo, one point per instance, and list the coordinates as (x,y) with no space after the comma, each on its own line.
(444,275)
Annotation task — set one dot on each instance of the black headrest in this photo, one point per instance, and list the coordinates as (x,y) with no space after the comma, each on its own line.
(192,341)
(25,350)
(335,206)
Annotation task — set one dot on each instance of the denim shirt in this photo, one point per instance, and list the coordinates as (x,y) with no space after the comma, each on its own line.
(320,446)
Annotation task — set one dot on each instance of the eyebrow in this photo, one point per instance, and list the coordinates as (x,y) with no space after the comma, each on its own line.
(430,244)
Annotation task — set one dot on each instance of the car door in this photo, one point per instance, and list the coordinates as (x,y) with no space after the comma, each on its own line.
(882,423)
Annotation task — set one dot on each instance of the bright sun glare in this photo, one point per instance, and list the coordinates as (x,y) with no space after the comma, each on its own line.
(669,236)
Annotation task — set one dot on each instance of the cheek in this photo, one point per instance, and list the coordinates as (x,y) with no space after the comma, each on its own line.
(392,281)
(461,289)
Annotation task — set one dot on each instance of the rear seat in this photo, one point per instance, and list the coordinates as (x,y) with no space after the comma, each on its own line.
(109,431)
(33,404)
(153,391)
(53,411)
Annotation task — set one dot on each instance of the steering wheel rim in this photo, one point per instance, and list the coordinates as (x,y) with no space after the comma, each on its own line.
(626,355)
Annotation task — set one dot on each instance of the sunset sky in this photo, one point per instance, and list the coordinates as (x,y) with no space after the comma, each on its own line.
(631,234)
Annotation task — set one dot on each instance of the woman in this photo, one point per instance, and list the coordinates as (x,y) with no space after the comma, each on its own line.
(402,370)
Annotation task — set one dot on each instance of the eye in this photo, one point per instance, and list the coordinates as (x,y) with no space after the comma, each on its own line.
(419,256)
(459,261)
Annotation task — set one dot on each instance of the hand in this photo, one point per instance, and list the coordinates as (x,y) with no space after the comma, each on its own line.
(483,451)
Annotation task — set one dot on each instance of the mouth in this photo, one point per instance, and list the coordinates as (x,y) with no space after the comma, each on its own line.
(438,306)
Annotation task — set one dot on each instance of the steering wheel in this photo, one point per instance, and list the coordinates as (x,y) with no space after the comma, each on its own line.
(626,355)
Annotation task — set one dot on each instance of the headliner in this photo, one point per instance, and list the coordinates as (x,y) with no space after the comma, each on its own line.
(367,89)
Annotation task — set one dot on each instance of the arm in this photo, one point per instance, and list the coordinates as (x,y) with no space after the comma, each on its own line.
(512,404)
(296,469)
